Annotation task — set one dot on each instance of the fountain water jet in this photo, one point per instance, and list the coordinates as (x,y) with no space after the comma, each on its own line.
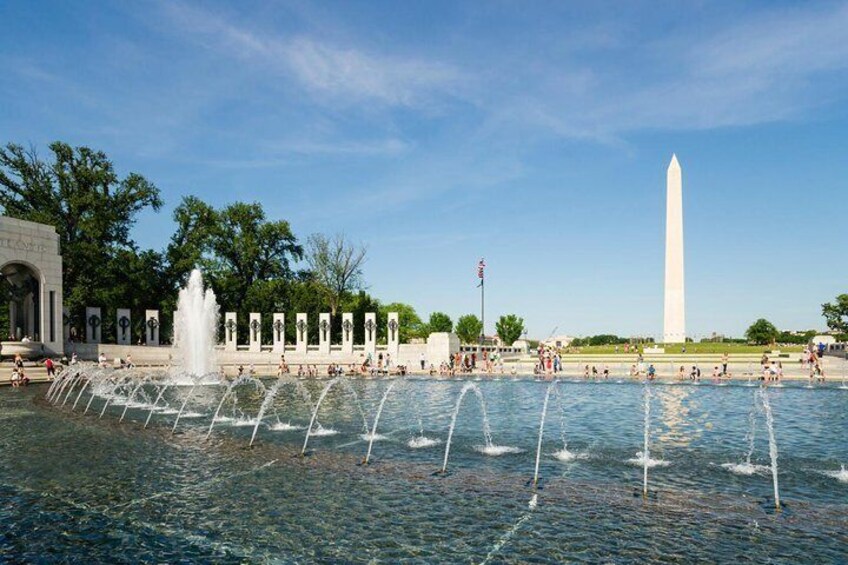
(321,398)
(747,467)
(155,403)
(487,434)
(377,420)
(646,453)
(108,396)
(764,398)
(79,394)
(74,381)
(239,381)
(182,407)
(131,397)
(196,326)
(542,430)
(269,399)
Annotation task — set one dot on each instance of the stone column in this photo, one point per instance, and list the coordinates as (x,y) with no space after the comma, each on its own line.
(347,333)
(301,331)
(278,329)
(230,331)
(93,324)
(324,334)
(151,324)
(370,333)
(393,334)
(123,327)
(255,331)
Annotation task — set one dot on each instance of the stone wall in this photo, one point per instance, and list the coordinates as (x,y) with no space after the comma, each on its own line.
(438,348)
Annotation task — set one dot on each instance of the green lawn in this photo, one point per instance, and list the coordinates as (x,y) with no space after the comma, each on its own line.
(691,348)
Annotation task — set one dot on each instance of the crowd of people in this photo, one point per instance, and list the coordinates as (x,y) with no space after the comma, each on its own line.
(548,364)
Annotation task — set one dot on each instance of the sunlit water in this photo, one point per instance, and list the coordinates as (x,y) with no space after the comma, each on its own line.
(85,490)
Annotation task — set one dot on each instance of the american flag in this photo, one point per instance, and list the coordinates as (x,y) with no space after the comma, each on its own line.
(480,266)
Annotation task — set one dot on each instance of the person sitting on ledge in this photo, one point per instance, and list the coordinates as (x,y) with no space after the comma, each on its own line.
(696,373)
(15,379)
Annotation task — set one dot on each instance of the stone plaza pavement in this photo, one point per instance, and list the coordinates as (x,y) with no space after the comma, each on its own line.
(740,367)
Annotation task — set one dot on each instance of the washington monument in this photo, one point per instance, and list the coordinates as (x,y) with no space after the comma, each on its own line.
(674,329)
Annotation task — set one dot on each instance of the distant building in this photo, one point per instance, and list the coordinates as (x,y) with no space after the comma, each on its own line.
(558,341)
(824,338)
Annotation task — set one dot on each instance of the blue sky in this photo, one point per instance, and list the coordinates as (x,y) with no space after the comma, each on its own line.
(534,134)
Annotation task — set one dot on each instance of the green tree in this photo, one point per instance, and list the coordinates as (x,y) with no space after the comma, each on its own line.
(439,322)
(92,208)
(836,313)
(357,304)
(469,328)
(762,332)
(509,328)
(409,324)
(605,339)
(245,257)
(336,263)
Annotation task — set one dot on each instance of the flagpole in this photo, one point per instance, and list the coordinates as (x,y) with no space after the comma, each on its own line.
(481,269)
(482,317)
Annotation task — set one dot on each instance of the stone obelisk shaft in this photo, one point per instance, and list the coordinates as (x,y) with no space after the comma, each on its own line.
(674,329)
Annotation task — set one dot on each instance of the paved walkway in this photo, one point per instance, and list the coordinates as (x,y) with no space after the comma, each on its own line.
(836,370)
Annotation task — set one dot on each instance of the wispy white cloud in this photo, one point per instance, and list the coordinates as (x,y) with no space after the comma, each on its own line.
(350,72)
(287,152)
(761,68)
(344,74)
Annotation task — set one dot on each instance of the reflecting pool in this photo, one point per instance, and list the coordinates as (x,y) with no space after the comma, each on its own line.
(83,488)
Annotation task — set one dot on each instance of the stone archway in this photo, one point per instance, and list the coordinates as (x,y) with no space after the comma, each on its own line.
(21,286)
(31,285)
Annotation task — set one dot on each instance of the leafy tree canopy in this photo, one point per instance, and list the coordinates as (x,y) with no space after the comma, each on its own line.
(469,328)
(439,322)
(762,332)
(836,313)
(245,257)
(509,328)
(410,324)
(93,209)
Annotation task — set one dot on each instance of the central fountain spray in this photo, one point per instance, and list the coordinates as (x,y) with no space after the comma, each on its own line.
(196,326)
